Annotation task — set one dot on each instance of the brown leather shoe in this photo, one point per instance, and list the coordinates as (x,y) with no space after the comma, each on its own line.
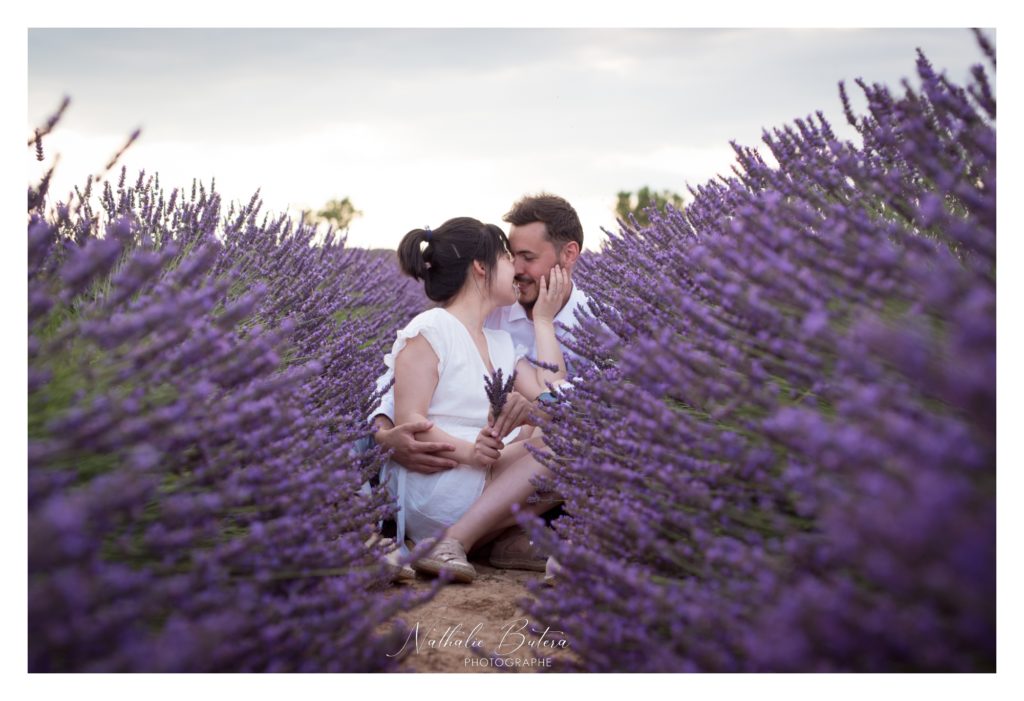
(515,551)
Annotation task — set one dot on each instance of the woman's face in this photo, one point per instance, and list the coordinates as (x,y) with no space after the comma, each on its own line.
(503,286)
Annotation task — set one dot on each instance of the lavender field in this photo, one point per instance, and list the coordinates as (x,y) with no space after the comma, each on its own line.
(779,454)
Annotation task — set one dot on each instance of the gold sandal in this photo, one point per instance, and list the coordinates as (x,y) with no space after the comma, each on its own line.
(552,571)
(448,555)
(390,560)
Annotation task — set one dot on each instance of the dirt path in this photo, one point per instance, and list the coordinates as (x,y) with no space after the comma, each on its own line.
(484,614)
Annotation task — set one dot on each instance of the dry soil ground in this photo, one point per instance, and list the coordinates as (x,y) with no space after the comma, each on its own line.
(485,613)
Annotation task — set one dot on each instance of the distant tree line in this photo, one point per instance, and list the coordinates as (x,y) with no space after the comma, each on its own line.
(637,203)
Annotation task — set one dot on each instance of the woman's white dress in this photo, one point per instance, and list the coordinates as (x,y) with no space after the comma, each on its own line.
(459,407)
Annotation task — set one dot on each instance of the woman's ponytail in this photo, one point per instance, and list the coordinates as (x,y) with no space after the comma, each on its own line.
(413,259)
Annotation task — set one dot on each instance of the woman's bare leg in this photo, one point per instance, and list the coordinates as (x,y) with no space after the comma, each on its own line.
(510,484)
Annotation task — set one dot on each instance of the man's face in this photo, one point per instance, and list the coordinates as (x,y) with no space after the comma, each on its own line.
(534,257)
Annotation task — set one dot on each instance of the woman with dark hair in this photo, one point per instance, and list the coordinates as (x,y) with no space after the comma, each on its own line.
(439,362)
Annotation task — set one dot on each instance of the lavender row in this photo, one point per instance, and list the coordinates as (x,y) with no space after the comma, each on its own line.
(780,455)
(197,380)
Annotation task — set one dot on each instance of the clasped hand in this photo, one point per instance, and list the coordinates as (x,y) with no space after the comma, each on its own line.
(515,413)
(487,448)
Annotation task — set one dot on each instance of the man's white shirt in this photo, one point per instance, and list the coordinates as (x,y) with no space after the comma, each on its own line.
(514,320)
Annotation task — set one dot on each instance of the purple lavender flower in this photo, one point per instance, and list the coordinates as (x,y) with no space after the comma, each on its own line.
(541,364)
(498,390)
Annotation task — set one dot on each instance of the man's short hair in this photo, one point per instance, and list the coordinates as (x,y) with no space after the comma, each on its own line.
(562,222)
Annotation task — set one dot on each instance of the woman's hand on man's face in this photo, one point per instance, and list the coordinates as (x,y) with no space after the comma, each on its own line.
(549,299)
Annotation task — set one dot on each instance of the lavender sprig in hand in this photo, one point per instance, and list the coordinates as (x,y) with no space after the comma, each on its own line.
(498,391)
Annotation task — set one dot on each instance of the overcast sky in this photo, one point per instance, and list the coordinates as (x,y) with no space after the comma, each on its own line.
(419,125)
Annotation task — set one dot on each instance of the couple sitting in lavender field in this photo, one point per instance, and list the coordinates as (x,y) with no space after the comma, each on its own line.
(457,470)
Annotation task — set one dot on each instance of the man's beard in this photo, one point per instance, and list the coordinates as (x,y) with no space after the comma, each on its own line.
(523,302)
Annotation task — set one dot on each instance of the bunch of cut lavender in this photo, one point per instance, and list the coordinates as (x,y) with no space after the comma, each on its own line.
(497,390)
(789,409)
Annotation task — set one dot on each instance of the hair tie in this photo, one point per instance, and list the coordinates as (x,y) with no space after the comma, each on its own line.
(430,234)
